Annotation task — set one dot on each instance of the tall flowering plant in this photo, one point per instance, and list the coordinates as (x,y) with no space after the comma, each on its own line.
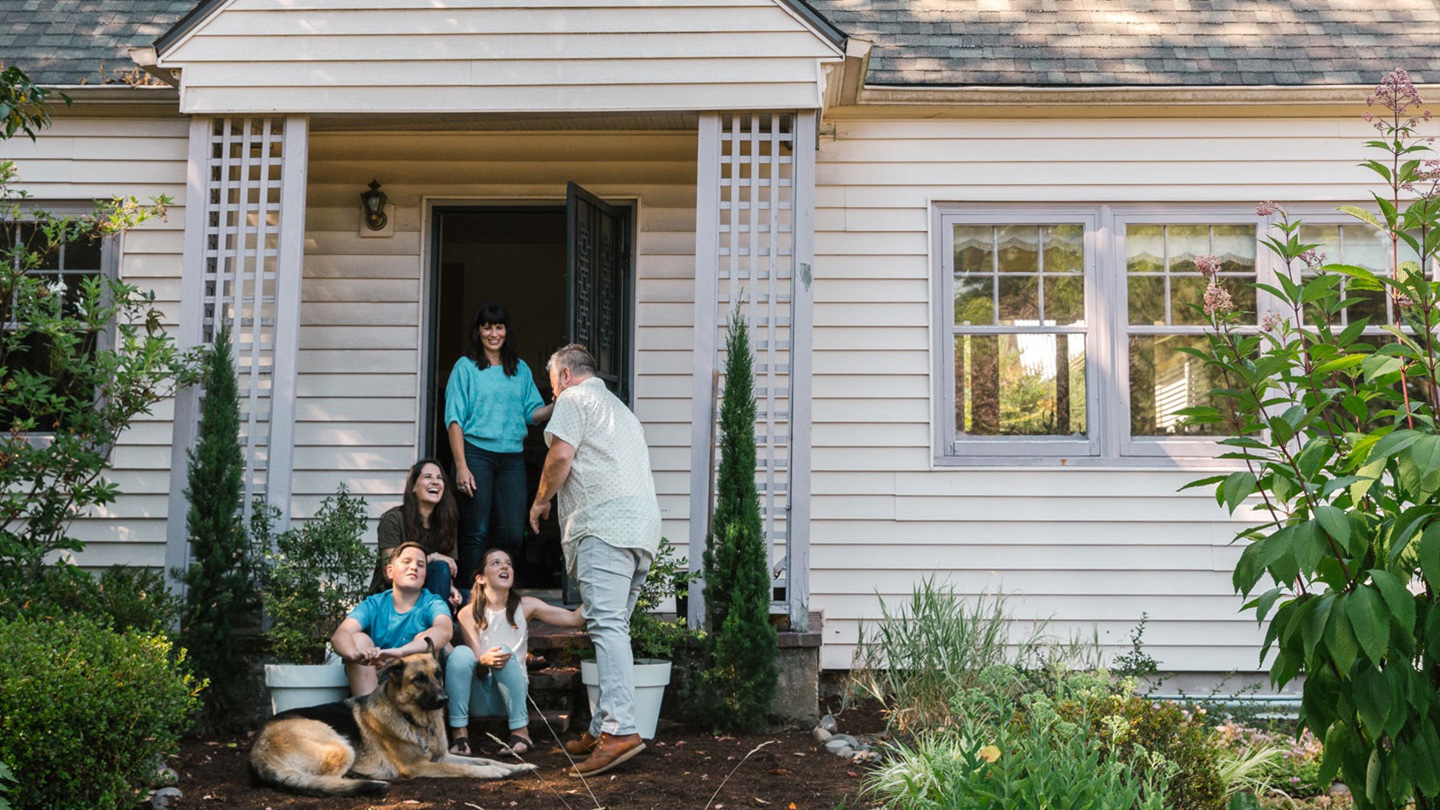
(1333,418)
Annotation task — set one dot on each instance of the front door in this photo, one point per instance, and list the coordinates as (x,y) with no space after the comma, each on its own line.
(597,285)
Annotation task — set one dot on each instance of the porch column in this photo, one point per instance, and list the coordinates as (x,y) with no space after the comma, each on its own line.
(243,256)
(754,246)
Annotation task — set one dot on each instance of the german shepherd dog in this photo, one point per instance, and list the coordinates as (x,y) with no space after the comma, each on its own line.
(354,746)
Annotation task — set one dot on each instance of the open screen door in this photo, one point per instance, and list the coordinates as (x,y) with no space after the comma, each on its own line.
(597,279)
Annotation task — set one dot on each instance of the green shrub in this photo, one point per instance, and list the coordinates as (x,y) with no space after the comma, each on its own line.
(121,598)
(923,653)
(651,636)
(994,761)
(221,599)
(86,712)
(1128,723)
(740,672)
(317,573)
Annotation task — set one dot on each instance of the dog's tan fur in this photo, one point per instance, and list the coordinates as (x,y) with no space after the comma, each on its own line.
(401,736)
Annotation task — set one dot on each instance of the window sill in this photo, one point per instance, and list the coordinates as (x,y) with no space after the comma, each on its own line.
(1083,462)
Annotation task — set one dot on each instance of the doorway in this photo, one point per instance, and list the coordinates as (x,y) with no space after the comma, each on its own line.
(564,274)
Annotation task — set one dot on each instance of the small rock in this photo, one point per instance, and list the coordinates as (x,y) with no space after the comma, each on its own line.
(828,723)
(865,756)
(839,747)
(165,798)
(165,777)
(821,735)
(847,739)
(1339,789)
(807,722)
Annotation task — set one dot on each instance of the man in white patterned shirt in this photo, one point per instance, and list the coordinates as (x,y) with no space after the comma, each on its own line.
(600,465)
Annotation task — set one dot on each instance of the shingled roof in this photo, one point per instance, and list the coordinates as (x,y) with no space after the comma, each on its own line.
(68,42)
(1142,42)
(1052,43)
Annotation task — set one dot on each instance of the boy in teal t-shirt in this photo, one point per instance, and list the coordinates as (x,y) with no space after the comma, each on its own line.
(394,623)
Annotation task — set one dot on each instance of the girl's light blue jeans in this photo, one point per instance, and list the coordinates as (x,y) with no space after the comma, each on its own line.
(478,691)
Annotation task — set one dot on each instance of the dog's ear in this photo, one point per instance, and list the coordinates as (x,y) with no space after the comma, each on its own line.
(430,648)
(383,674)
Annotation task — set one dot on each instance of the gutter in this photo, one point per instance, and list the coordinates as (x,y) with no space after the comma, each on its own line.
(1117,96)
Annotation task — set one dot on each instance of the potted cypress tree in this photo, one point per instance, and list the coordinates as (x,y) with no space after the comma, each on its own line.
(317,573)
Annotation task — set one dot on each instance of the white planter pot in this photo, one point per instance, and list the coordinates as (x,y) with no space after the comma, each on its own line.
(293,686)
(652,675)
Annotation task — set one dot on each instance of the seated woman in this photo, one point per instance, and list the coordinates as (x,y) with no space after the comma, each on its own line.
(486,675)
(427,516)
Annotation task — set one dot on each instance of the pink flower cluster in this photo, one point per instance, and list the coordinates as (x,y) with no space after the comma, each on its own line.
(1208,265)
(1397,94)
(1270,322)
(1266,209)
(1312,259)
(1217,299)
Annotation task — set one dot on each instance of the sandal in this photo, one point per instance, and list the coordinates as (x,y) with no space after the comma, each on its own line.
(535,662)
(517,745)
(461,747)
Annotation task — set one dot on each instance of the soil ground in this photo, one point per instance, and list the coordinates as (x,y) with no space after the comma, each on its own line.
(680,770)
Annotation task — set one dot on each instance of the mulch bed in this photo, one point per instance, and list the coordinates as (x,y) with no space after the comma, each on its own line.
(680,770)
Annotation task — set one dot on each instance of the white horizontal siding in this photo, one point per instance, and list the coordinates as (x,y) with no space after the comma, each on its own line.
(457,55)
(80,158)
(363,333)
(1084,546)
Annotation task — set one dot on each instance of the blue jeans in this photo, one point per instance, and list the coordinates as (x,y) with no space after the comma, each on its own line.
(437,579)
(610,580)
(494,517)
(477,691)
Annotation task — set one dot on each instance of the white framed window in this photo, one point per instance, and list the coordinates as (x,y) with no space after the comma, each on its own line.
(1059,329)
(1014,309)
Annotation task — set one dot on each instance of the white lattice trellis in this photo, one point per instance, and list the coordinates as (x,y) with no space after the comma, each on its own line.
(754,214)
(244,226)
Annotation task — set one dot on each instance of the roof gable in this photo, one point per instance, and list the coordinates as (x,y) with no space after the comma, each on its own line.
(74,42)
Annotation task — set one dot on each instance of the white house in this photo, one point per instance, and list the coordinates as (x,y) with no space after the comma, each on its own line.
(963,231)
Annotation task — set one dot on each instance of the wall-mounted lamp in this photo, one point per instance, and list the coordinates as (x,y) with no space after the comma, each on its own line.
(372,204)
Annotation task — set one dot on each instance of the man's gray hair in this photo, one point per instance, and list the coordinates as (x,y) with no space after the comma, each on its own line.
(574,357)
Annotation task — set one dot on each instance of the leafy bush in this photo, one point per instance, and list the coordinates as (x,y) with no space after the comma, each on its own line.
(121,598)
(993,762)
(919,656)
(223,576)
(1337,432)
(1129,723)
(85,712)
(651,636)
(317,573)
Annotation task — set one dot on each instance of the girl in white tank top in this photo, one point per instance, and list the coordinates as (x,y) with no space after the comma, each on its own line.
(492,635)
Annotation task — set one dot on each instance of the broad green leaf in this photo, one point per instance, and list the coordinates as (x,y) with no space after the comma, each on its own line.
(1430,555)
(1265,602)
(1395,442)
(1376,366)
(1332,519)
(1372,700)
(1340,637)
(1370,622)
(1369,474)
(1374,775)
(1398,599)
(1425,452)
(1309,547)
(1238,486)
(1337,739)
(1312,627)
(1340,363)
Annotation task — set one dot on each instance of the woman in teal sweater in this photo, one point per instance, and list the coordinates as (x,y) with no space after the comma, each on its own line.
(490,402)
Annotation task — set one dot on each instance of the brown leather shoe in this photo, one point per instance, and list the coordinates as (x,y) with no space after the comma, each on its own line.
(608,753)
(581,747)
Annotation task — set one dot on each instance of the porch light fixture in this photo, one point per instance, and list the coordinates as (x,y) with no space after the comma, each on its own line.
(372,204)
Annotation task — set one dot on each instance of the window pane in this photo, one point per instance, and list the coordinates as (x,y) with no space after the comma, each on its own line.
(1164,380)
(1147,300)
(1019,248)
(974,300)
(1064,248)
(1184,243)
(1064,300)
(1145,248)
(1020,385)
(1234,246)
(973,250)
(1019,300)
(83,254)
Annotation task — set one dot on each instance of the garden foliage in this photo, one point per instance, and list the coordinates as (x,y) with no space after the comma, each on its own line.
(86,713)
(317,573)
(222,581)
(1335,424)
(741,673)
(650,635)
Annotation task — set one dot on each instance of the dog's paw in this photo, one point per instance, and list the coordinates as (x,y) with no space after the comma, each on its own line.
(524,768)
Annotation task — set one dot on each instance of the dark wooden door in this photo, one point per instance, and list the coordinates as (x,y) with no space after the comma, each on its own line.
(597,298)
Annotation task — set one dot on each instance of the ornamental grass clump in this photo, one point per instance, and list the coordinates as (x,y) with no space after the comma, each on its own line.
(1334,421)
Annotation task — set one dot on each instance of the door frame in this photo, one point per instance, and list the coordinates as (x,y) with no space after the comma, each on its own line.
(432,208)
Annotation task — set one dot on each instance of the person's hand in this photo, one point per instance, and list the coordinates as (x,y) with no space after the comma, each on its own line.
(538,512)
(455,597)
(385,656)
(464,481)
(495,657)
(366,656)
(450,561)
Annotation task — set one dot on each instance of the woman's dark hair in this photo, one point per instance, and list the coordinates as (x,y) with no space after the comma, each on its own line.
(493,313)
(477,593)
(443,520)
